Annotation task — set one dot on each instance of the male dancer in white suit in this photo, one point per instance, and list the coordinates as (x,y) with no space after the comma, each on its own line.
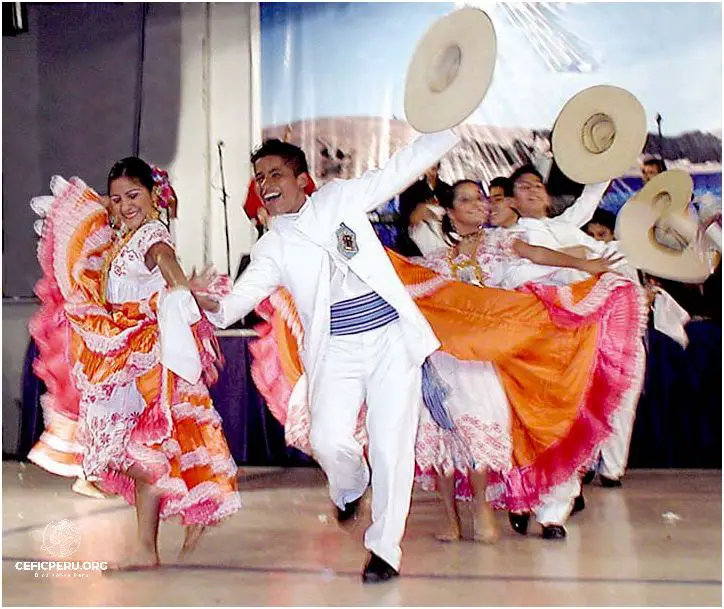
(364,337)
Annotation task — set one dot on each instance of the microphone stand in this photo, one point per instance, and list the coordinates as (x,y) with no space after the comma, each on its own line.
(661,137)
(224,196)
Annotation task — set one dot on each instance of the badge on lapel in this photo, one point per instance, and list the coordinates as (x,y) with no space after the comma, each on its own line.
(346,241)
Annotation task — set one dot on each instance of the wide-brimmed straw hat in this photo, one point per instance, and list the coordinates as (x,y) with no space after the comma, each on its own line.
(450,71)
(662,204)
(599,134)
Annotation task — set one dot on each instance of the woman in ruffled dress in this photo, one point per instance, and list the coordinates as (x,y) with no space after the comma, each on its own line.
(138,357)
(479,439)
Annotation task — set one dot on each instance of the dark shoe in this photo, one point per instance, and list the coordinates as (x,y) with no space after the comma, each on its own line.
(579,504)
(349,512)
(377,570)
(554,531)
(590,475)
(519,522)
(610,483)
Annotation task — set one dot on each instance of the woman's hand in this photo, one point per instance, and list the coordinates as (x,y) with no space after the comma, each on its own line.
(596,266)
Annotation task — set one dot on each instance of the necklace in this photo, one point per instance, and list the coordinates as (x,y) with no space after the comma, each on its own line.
(472,235)
(121,242)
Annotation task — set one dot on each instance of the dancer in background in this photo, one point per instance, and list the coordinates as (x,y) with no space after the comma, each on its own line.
(138,354)
(668,318)
(477,406)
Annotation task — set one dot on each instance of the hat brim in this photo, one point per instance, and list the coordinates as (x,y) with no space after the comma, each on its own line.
(572,156)
(429,111)
(635,229)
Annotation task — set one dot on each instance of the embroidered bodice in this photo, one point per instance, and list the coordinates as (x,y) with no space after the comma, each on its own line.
(129,279)
(487,268)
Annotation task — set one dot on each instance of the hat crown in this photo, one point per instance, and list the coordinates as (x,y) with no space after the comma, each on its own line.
(444,67)
(598,133)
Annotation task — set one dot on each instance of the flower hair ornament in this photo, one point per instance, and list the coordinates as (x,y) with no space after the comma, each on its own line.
(163,193)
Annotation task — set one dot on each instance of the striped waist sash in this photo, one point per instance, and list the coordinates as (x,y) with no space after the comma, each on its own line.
(361,314)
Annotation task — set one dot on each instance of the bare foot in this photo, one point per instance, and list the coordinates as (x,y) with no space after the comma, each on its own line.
(88,489)
(192,537)
(484,524)
(140,560)
(450,533)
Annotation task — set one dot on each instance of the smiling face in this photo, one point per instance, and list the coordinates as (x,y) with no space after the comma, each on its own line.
(469,211)
(501,210)
(531,197)
(280,190)
(130,201)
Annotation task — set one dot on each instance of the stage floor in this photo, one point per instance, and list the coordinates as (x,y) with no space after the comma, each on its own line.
(284,548)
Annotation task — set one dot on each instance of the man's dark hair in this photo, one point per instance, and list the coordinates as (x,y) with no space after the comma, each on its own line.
(604,218)
(293,155)
(522,171)
(654,162)
(502,182)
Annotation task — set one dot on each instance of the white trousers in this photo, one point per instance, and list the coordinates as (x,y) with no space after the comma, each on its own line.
(558,503)
(372,367)
(615,449)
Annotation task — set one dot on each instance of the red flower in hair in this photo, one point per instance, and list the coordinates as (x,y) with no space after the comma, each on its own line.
(165,194)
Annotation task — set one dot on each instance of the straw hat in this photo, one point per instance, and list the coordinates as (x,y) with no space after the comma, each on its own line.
(599,134)
(662,202)
(450,71)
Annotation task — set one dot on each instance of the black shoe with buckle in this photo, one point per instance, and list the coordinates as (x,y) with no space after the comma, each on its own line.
(349,512)
(610,482)
(519,522)
(378,571)
(554,531)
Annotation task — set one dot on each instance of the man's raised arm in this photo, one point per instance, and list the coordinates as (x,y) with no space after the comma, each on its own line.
(377,186)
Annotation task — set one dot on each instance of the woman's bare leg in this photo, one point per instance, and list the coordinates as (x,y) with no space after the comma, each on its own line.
(148,504)
(483,517)
(451,532)
(192,537)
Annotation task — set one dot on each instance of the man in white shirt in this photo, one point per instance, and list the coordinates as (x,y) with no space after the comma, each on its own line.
(364,340)
(669,318)
(529,198)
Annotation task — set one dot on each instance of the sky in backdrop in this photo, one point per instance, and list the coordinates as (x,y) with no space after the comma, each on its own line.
(350,59)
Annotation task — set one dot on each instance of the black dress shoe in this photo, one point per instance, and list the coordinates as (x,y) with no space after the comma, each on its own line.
(377,570)
(590,475)
(610,482)
(349,512)
(519,522)
(579,504)
(554,531)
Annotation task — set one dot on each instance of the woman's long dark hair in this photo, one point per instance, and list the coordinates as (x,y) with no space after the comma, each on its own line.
(448,202)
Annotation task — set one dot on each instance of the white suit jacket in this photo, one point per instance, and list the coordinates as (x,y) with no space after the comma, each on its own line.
(294,253)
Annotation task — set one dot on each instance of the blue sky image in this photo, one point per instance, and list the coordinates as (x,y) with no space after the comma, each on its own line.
(350,59)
